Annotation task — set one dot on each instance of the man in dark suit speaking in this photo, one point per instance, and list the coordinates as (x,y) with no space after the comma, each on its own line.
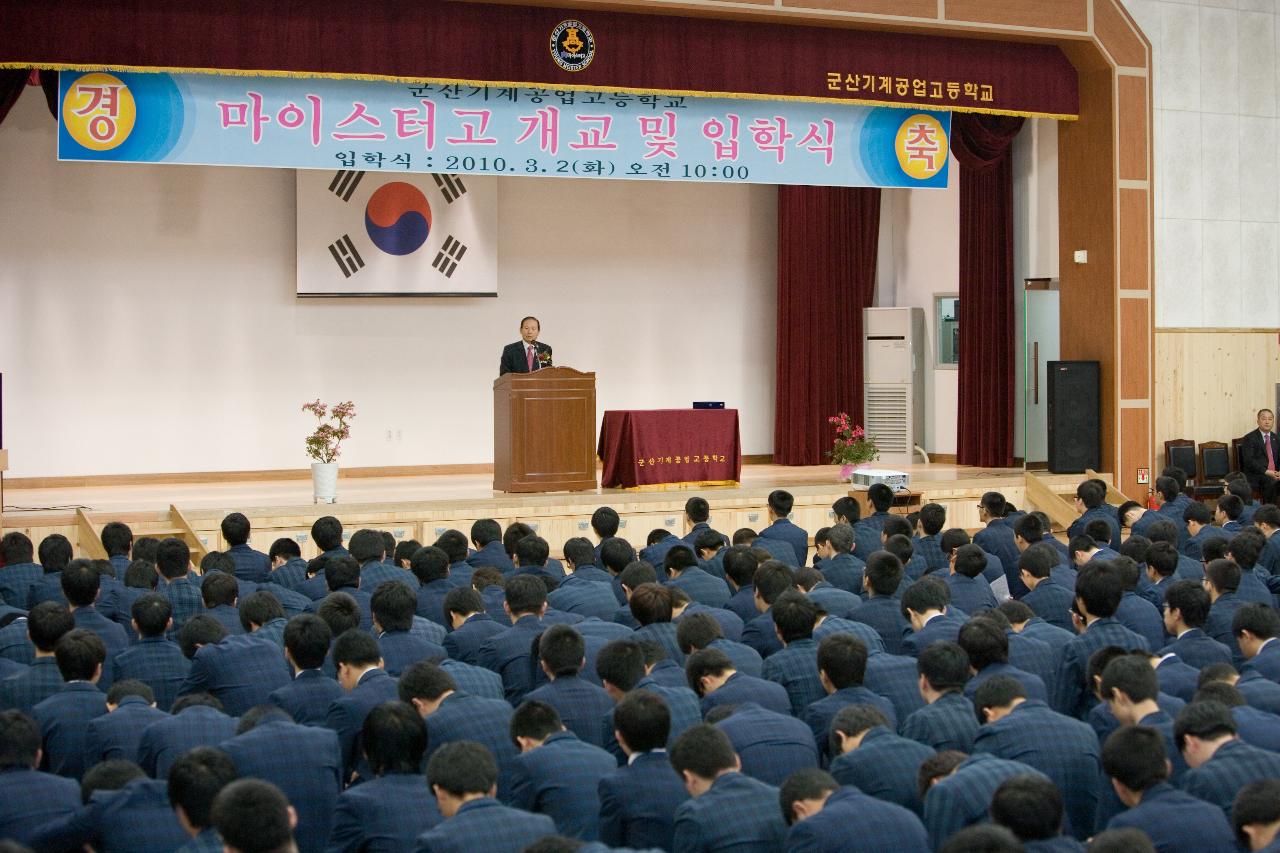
(528,354)
(1258,456)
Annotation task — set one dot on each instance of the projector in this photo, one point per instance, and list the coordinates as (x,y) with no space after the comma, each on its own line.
(865,478)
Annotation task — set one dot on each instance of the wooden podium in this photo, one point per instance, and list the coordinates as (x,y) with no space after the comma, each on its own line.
(544,431)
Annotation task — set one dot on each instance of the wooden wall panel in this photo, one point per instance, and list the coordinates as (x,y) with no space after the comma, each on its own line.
(1133,110)
(1135,342)
(1135,440)
(1135,242)
(897,8)
(1209,384)
(1046,14)
(1118,34)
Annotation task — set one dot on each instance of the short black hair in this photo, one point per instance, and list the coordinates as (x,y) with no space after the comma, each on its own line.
(79,654)
(259,608)
(703,750)
(1268,514)
(900,547)
(425,680)
(55,552)
(996,692)
(853,720)
(463,767)
(307,638)
(1099,531)
(463,600)
(536,720)
(394,605)
(152,613)
(579,552)
(1168,488)
(944,665)
(1258,619)
(650,603)
(953,538)
(604,521)
(129,687)
(252,816)
(525,594)
(1191,601)
(260,715)
(1207,720)
(1016,611)
(697,509)
(532,550)
(694,631)
(340,612)
(394,738)
(365,545)
(47,623)
(982,838)
(705,662)
(15,548)
(562,650)
(740,564)
(109,775)
(781,502)
(883,573)
(285,547)
(1039,560)
(708,540)
(924,595)
(195,779)
(140,574)
(341,571)
(117,539)
(1223,574)
(452,542)
(937,766)
(984,642)
(772,579)
(616,554)
(1100,587)
(19,740)
(327,533)
(621,663)
(1133,675)
(192,700)
(235,529)
(173,558)
(644,720)
(1197,512)
(1220,691)
(794,614)
(1028,805)
(356,648)
(679,558)
(971,561)
(200,630)
(80,583)
(809,783)
(217,589)
(1091,493)
(843,657)
(1256,803)
(1245,547)
(1135,757)
(144,548)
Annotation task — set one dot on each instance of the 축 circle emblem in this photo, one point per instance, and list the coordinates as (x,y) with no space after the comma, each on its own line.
(572,45)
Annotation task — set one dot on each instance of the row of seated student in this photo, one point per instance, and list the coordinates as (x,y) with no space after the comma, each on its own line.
(914,688)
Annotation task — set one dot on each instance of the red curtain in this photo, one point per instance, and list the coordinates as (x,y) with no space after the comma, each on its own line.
(12,82)
(983,147)
(827,243)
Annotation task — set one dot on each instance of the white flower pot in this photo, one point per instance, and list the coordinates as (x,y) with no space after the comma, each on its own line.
(324,482)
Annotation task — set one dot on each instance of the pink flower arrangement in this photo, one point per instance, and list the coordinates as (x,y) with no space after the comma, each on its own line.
(852,446)
(324,444)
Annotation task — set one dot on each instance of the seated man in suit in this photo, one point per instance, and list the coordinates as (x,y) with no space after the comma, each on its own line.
(1221,763)
(957,790)
(623,669)
(1186,609)
(1135,761)
(251,565)
(287,568)
(870,757)
(842,666)
(219,593)
(881,610)
(64,717)
(740,564)
(17,569)
(305,762)
(639,799)
(1199,521)
(795,667)
(728,809)
(463,776)
(947,722)
(47,623)
(455,546)
(241,671)
(562,653)
(395,807)
(486,536)
(197,720)
(472,626)
(29,798)
(771,746)
(369,549)
(251,814)
(701,631)
(825,817)
(527,354)
(1046,597)
(1256,815)
(173,563)
(1221,581)
(924,605)
(1259,453)
(195,780)
(771,580)
(131,707)
(81,585)
(781,527)
(393,607)
(1091,503)
(840,566)
(984,640)
(308,696)
(713,677)
(970,591)
(1256,627)
(682,571)
(452,715)
(556,774)
(866,531)
(1031,808)
(359,664)
(580,592)
(508,653)
(998,538)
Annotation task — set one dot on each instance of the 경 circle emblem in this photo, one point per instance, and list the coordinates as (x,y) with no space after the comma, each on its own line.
(572,45)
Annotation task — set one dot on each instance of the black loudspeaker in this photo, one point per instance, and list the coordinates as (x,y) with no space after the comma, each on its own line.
(1075,418)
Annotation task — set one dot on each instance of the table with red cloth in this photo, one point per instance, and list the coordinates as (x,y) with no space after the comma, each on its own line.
(668,447)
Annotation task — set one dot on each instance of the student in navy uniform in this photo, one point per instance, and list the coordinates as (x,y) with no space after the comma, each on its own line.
(581,705)
(658,543)
(1046,597)
(81,586)
(1098,592)
(64,717)
(1254,726)
(1221,580)
(197,720)
(826,818)
(985,642)
(713,677)
(123,812)
(115,736)
(697,631)
(1255,815)
(471,625)
(117,541)
(1199,521)
(251,565)
(46,624)
(651,606)
(1064,749)
(287,568)
(1023,621)
(452,715)
(1031,808)
(623,670)
(924,605)
(1186,609)
(842,667)
(1135,612)
(840,566)
(1256,627)
(639,799)
(219,592)
(795,667)
(948,721)
(463,776)
(957,790)
(970,591)
(359,667)
(195,780)
(740,564)
(1220,763)
(1091,502)
(508,653)
(252,815)
(305,762)
(1268,522)
(781,527)
(29,798)
(18,571)
(881,610)
(728,809)
(369,549)
(173,562)
(308,696)
(556,774)
(486,537)
(579,592)
(682,571)
(836,602)
(393,607)
(997,537)
(1162,567)
(1135,761)
(866,531)
(870,757)
(395,807)
(241,671)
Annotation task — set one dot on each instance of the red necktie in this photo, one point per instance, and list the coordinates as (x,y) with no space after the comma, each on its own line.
(1271,454)
(529,353)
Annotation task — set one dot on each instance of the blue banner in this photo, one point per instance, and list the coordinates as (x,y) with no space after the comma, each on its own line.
(315,123)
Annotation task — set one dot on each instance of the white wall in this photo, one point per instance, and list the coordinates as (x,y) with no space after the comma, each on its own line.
(1217,181)
(151,323)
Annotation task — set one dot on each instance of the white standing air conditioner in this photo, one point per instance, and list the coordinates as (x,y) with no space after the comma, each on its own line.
(893,377)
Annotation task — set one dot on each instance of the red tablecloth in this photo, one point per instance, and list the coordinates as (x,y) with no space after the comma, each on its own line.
(670,446)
